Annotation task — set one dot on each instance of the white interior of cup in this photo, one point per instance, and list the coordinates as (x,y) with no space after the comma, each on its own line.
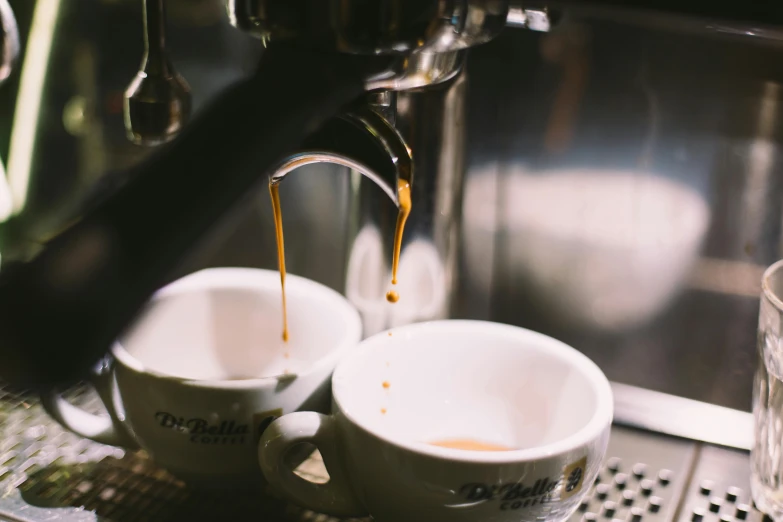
(226,324)
(485,382)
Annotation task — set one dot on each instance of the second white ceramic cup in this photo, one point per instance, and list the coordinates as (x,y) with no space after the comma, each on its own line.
(445,380)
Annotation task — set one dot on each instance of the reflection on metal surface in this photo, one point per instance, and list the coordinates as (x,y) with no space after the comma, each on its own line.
(760,22)
(568,49)
(533,19)
(421,285)
(80,114)
(9,41)
(420,69)
(29,99)
(426,39)
(74,116)
(365,274)
(663,413)
(421,282)
(6,204)
(727,277)
(699,114)
(604,250)
(309,158)
(381,27)
(760,162)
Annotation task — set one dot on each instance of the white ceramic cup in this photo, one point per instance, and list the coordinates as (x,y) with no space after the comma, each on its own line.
(204,370)
(427,382)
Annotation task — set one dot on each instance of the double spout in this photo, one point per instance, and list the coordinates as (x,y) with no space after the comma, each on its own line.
(362,139)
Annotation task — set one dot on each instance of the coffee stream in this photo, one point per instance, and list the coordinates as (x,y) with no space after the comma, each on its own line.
(274,192)
(404,198)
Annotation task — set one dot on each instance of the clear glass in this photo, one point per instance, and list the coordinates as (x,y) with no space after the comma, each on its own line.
(767,453)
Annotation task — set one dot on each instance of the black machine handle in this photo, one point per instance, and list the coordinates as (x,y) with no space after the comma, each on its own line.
(61,311)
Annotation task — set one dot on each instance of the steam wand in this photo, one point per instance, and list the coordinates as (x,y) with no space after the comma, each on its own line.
(157,102)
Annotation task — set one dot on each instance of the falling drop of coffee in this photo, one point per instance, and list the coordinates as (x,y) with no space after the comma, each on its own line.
(404,199)
(274,192)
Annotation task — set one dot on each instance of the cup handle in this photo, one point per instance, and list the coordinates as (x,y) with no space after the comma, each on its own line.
(106,430)
(333,498)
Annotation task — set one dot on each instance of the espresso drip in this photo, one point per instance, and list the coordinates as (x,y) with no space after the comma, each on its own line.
(404,198)
(274,192)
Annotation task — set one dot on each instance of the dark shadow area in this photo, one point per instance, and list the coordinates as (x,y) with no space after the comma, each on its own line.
(132,488)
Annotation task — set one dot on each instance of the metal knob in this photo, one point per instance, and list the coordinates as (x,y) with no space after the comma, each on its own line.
(157,102)
(9,41)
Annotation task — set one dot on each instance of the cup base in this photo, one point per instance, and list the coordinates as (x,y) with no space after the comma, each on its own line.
(767,500)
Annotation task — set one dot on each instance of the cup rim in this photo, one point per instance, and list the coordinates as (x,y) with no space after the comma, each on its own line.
(591,431)
(260,280)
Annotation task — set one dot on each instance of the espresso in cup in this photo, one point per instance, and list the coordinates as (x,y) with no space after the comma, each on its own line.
(470,445)
(203,371)
(452,421)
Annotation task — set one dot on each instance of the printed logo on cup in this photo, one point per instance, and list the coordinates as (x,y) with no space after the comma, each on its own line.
(200,431)
(513,495)
(573,478)
(262,420)
(517,495)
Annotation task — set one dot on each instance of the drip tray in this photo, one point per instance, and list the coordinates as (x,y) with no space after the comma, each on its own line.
(49,474)
(649,477)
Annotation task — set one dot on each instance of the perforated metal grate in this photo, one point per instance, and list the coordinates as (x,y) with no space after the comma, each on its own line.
(641,481)
(49,474)
(635,494)
(719,488)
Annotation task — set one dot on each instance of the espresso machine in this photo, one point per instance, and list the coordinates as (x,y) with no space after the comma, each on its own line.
(603,172)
